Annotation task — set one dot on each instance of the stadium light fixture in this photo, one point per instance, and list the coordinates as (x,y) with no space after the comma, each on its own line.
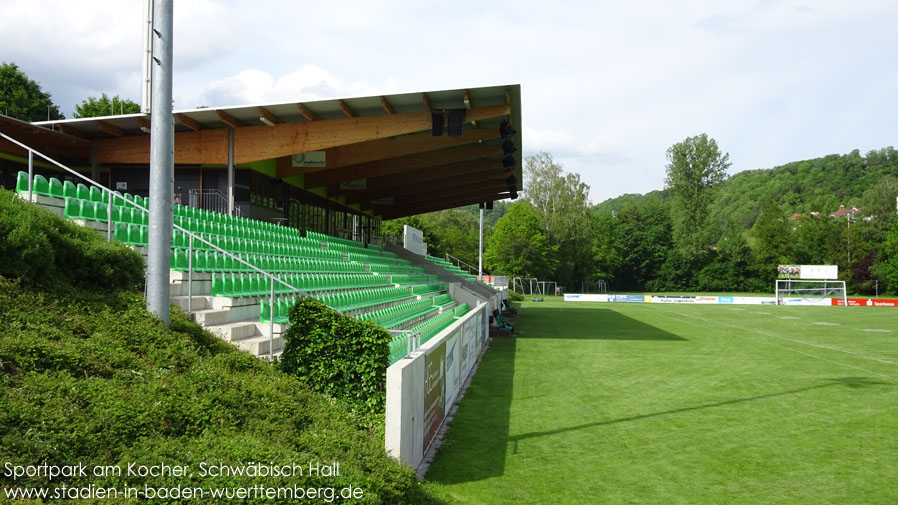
(456,119)
(437,123)
(508,148)
(266,120)
(505,129)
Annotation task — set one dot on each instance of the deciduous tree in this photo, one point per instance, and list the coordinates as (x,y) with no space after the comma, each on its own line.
(22,98)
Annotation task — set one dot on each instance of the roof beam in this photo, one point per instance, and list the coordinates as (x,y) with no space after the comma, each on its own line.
(425,175)
(307,112)
(71,130)
(265,114)
(392,147)
(386,105)
(485,177)
(449,203)
(401,164)
(144,123)
(253,143)
(228,119)
(347,109)
(463,191)
(427,106)
(110,128)
(188,122)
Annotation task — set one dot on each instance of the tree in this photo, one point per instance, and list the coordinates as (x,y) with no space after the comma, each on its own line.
(695,167)
(773,241)
(518,246)
(105,106)
(22,98)
(560,203)
(886,267)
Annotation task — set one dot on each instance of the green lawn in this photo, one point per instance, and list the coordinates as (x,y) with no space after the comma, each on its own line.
(680,404)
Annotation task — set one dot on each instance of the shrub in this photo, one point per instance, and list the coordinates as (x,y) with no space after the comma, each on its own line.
(337,355)
(514,296)
(44,250)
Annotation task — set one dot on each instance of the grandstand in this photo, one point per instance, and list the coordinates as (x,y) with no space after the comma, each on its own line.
(228,297)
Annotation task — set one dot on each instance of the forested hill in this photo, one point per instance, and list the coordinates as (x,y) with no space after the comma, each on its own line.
(816,185)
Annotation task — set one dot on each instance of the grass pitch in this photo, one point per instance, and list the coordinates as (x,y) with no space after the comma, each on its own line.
(600,403)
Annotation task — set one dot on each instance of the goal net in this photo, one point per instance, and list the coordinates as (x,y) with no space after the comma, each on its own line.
(809,292)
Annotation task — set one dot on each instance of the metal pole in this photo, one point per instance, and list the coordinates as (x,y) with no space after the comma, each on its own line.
(480,250)
(190,276)
(30,175)
(230,171)
(146,83)
(161,162)
(109,220)
(271,323)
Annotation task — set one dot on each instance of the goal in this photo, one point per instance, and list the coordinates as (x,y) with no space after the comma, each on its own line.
(810,292)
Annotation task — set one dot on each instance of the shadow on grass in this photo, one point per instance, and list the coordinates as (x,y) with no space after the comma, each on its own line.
(592,324)
(851,382)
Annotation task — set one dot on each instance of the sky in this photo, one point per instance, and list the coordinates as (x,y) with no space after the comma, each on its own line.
(607,86)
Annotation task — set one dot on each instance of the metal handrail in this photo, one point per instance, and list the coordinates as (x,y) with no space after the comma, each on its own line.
(412,344)
(460,262)
(190,234)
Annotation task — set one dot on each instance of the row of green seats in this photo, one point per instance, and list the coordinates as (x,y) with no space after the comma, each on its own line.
(443,300)
(425,289)
(241,285)
(67,189)
(98,211)
(243,232)
(282,306)
(367,258)
(132,234)
(232,285)
(388,269)
(214,261)
(235,245)
(418,270)
(398,314)
(411,278)
(460,310)
(433,326)
(361,299)
(239,221)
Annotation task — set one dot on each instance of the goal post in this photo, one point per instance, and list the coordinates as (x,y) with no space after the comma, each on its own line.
(810,292)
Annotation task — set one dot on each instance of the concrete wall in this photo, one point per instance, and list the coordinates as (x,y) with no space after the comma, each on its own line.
(423,387)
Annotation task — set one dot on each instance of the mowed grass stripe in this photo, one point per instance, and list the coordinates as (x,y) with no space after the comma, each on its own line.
(602,403)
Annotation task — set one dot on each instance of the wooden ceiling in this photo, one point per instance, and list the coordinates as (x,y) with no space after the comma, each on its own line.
(383,145)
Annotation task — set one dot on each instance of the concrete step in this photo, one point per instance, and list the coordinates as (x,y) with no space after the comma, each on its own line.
(258,346)
(233,332)
(197,303)
(214,317)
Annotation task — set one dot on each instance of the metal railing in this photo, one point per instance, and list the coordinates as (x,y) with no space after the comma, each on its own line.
(190,234)
(471,268)
(210,199)
(412,342)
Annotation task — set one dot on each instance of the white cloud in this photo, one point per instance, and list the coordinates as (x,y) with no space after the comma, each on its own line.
(308,83)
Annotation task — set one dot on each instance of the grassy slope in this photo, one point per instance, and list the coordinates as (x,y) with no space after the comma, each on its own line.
(88,376)
(633,403)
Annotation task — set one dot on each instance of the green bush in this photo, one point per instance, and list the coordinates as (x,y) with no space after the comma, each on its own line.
(337,355)
(44,250)
(98,380)
(514,296)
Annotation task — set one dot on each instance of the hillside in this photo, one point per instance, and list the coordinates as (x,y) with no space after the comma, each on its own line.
(816,185)
(88,377)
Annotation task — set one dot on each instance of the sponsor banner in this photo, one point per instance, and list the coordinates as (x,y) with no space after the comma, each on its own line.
(706,299)
(673,299)
(809,272)
(434,391)
(413,240)
(626,298)
(806,301)
(453,373)
(309,159)
(866,302)
(754,300)
(724,299)
(574,297)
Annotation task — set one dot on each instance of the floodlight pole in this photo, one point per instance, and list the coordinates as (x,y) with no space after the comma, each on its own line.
(161,164)
(480,249)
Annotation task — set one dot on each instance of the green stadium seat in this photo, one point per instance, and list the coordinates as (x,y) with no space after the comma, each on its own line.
(40,186)
(96,194)
(56,190)
(82,192)
(22,183)
(69,190)
(72,209)
(100,212)
(87,210)
(121,232)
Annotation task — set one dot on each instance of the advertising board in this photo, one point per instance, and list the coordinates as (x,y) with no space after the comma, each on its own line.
(434,391)
(866,302)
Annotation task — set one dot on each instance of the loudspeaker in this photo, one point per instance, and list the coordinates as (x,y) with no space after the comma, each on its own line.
(505,129)
(437,122)
(508,162)
(508,148)
(456,119)
(489,205)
